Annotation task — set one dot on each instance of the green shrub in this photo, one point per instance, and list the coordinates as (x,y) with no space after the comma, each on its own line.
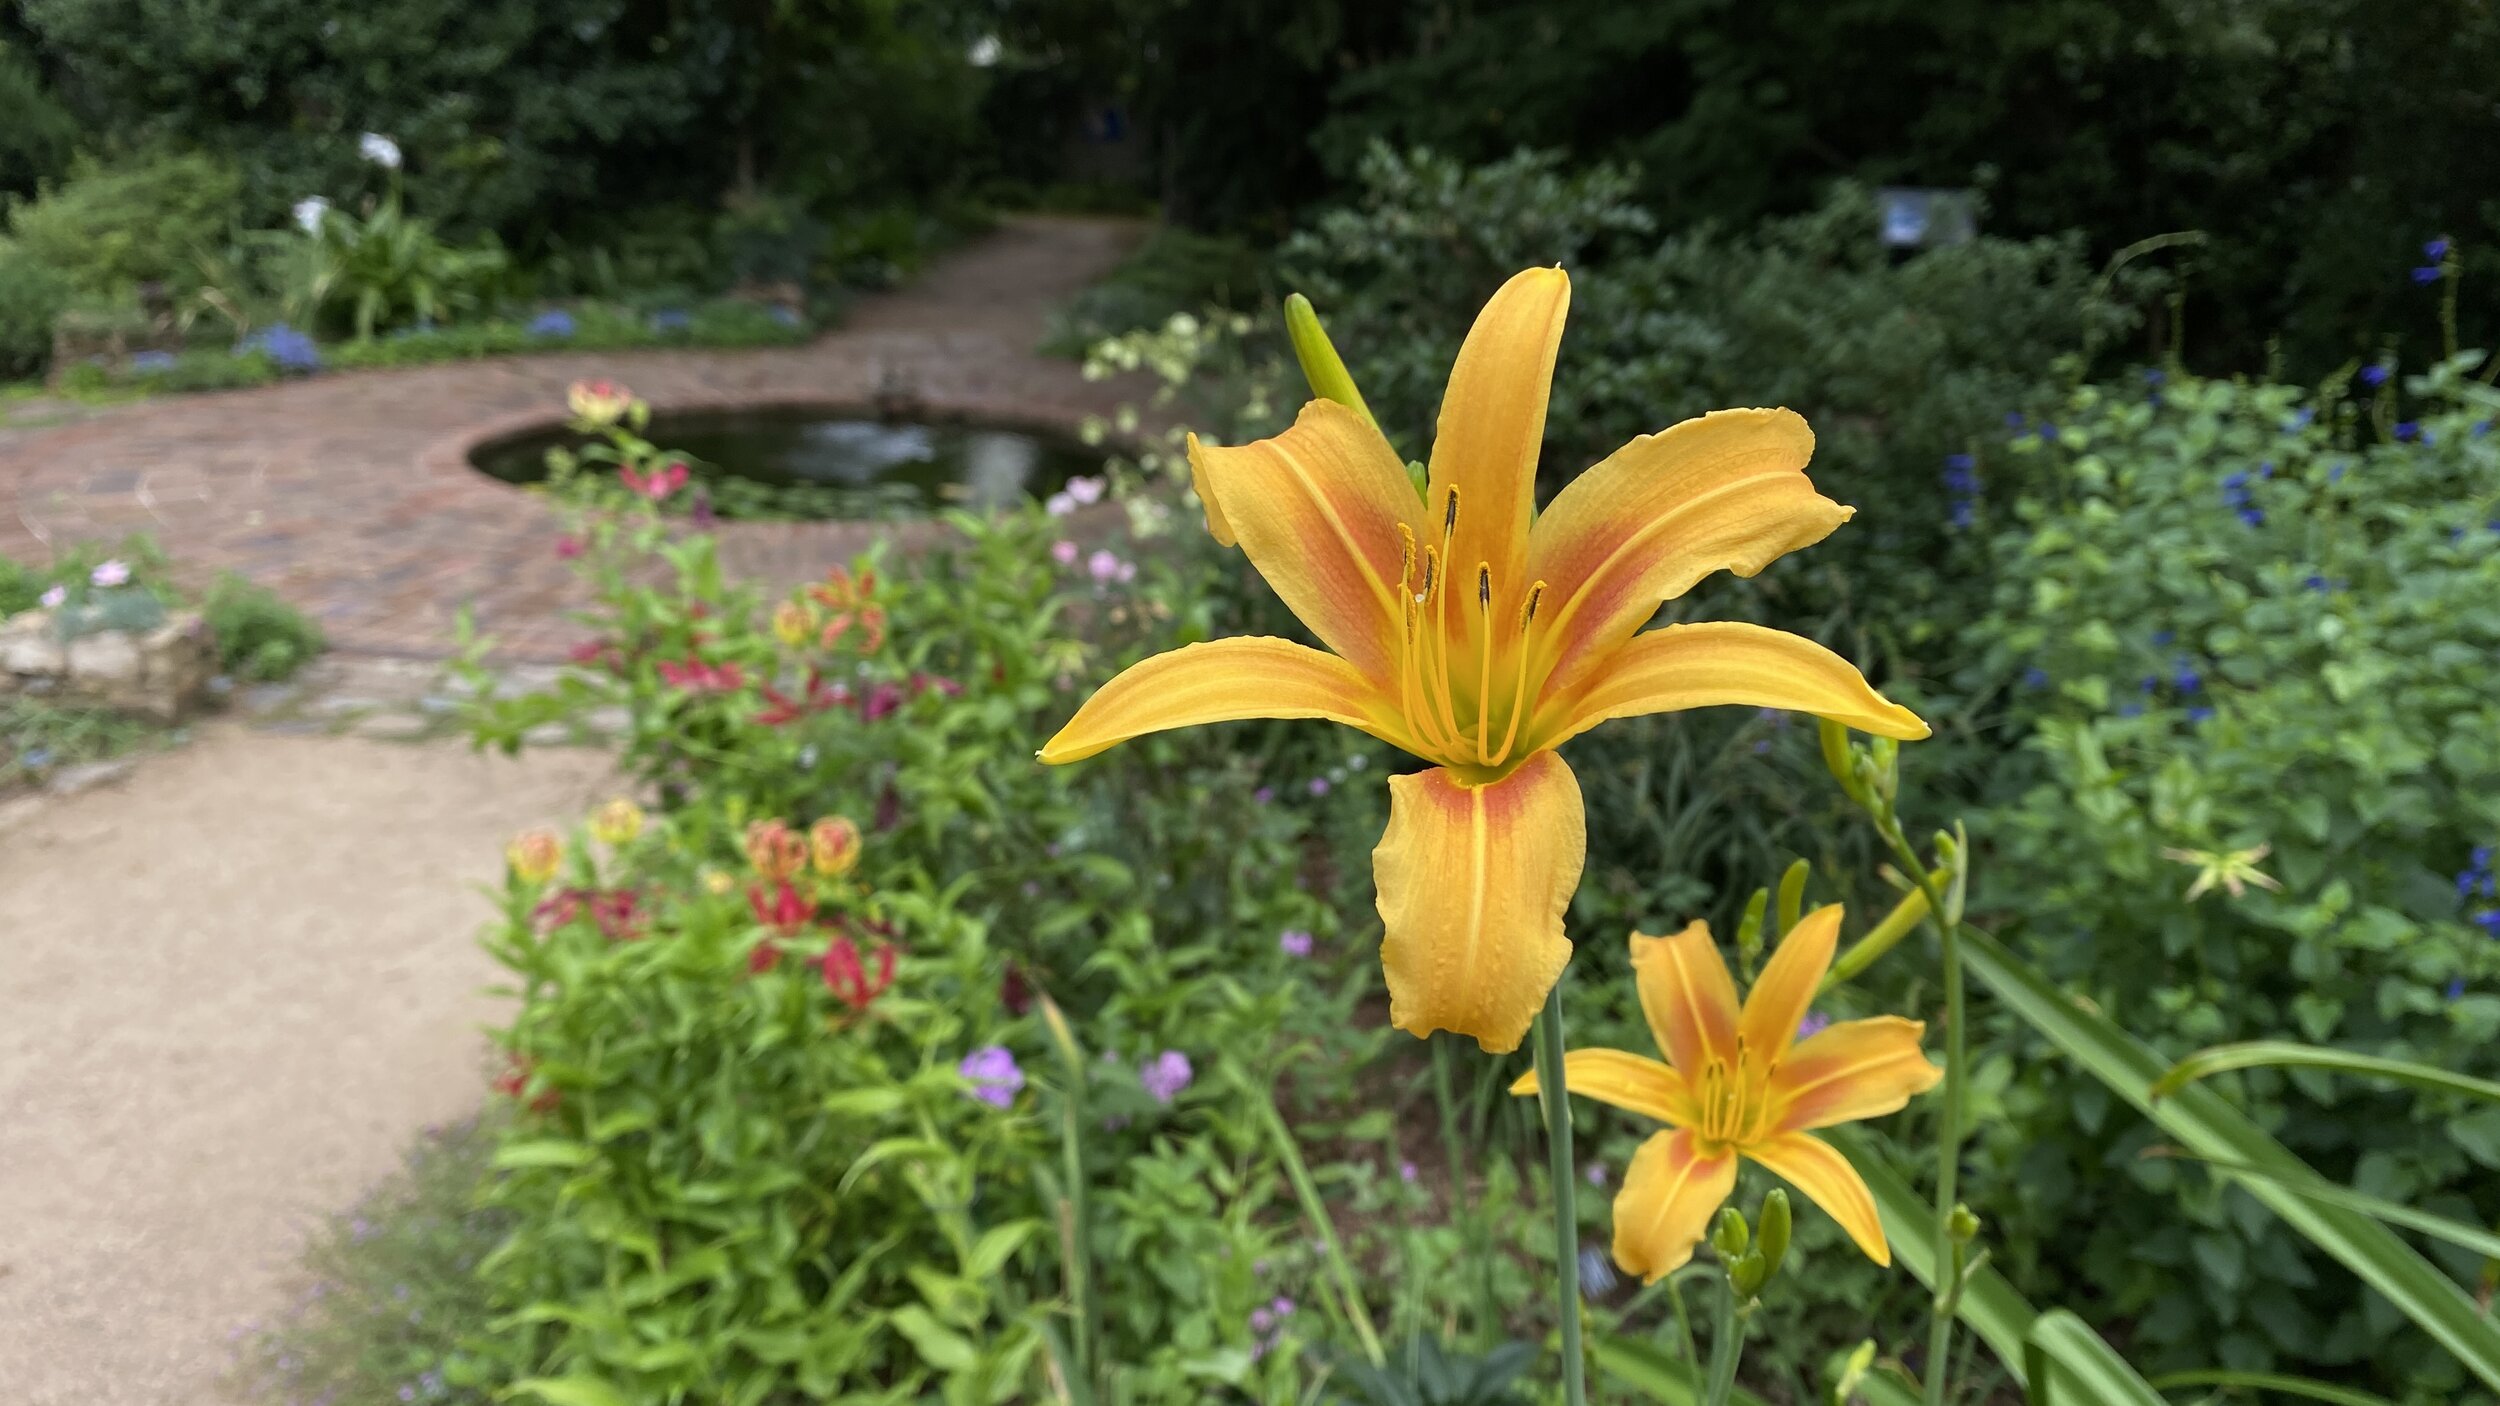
(36,141)
(110,225)
(32,298)
(2224,624)
(380,270)
(259,636)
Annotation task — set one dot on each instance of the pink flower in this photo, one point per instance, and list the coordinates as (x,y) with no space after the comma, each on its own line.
(112,573)
(696,676)
(568,547)
(1059,505)
(1085,491)
(1103,566)
(52,599)
(659,483)
(1064,552)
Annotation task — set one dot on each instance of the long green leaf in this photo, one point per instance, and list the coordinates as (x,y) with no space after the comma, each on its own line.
(565,1391)
(2087,1369)
(1989,1305)
(2274,1382)
(2254,1054)
(1654,1372)
(2205,1124)
(2471,1237)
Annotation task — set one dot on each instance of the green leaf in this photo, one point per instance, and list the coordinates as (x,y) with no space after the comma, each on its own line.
(2316,1188)
(1656,1373)
(2274,1382)
(2087,1369)
(938,1345)
(990,1255)
(566,1391)
(543,1152)
(871,1102)
(2254,1054)
(2201,1121)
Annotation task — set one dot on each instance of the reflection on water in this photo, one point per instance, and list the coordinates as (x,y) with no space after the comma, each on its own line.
(925,465)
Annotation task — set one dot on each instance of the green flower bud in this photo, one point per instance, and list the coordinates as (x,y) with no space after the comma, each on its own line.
(1962,1225)
(1729,1236)
(1793,895)
(1749,929)
(1321,365)
(1771,1241)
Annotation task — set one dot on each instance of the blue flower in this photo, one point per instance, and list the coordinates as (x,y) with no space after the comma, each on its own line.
(1963,515)
(152,361)
(2035,677)
(2013,419)
(786,316)
(2300,420)
(671,320)
(2335,474)
(2266,469)
(2428,273)
(2436,249)
(2489,922)
(2481,428)
(2238,480)
(2153,376)
(2252,516)
(2048,432)
(2200,715)
(290,349)
(2374,375)
(2130,710)
(2456,988)
(2315,582)
(554,322)
(2408,429)
(2188,680)
(2152,683)
(2162,638)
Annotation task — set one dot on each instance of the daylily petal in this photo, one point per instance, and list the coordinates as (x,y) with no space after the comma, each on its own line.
(1669,1195)
(1492,428)
(1784,991)
(1813,1167)
(1473,882)
(1855,1069)
(1626,1081)
(1720,662)
(1688,996)
(1726,492)
(1222,681)
(1317,511)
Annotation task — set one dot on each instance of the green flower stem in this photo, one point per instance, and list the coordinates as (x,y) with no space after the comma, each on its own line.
(1298,1173)
(1726,1345)
(1949,1115)
(1557,1099)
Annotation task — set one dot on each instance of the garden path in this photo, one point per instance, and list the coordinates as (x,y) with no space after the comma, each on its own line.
(233,985)
(351,495)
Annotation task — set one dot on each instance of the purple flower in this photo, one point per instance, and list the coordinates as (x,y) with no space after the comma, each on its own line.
(2254,517)
(1058,505)
(2456,988)
(1281,1306)
(2315,582)
(1261,1320)
(111,573)
(1103,566)
(2408,429)
(51,599)
(1596,1175)
(2436,249)
(2200,715)
(1264,794)
(992,1072)
(1294,942)
(152,361)
(1064,552)
(2428,273)
(2188,680)
(2374,375)
(1320,786)
(2035,677)
(1407,1173)
(1814,1024)
(1085,491)
(554,322)
(1166,1075)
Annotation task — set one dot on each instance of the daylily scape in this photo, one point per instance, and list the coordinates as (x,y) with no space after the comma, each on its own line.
(1471,631)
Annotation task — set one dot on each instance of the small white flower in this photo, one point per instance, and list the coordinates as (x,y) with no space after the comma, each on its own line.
(984,51)
(378,149)
(310,212)
(112,573)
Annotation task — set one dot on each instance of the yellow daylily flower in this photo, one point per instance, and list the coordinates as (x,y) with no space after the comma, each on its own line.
(1739,1083)
(1466,629)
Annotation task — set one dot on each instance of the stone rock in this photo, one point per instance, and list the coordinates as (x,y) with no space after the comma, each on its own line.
(548,735)
(105,663)
(392,727)
(161,674)
(86,776)
(27,646)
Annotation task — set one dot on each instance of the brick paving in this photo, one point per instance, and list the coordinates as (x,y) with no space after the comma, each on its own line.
(351,495)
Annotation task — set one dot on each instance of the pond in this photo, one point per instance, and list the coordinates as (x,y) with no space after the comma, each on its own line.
(810,463)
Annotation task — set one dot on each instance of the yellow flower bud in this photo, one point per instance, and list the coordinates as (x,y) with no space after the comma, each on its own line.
(534,855)
(717,882)
(617,822)
(598,403)
(793,623)
(834,844)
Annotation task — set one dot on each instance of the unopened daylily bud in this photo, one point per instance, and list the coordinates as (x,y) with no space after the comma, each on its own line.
(1321,365)
(1852,1373)
(1749,930)
(1841,759)
(1793,895)
(833,844)
(1771,1239)
(534,855)
(1729,1236)
(617,822)
(1885,753)
(1962,1225)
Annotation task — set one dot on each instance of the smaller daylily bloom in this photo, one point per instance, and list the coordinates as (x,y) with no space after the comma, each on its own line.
(617,822)
(2233,870)
(598,403)
(833,845)
(850,981)
(775,850)
(534,855)
(1739,1083)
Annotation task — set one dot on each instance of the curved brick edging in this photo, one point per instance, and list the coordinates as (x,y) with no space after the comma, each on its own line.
(352,497)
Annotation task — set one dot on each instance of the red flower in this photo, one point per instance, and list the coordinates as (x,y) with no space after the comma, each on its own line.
(785,912)
(696,676)
(514,1081)
(815,696)
(1014,992)
(616,911)
(850,982)
(568,547)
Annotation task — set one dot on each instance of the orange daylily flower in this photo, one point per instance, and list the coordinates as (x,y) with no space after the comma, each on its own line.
(1470,631)
(1739,1083)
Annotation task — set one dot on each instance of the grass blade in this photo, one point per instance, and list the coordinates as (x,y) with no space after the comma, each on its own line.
(2086,1369)
(2274,1382)
(2291,1054)
(2458,1233)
